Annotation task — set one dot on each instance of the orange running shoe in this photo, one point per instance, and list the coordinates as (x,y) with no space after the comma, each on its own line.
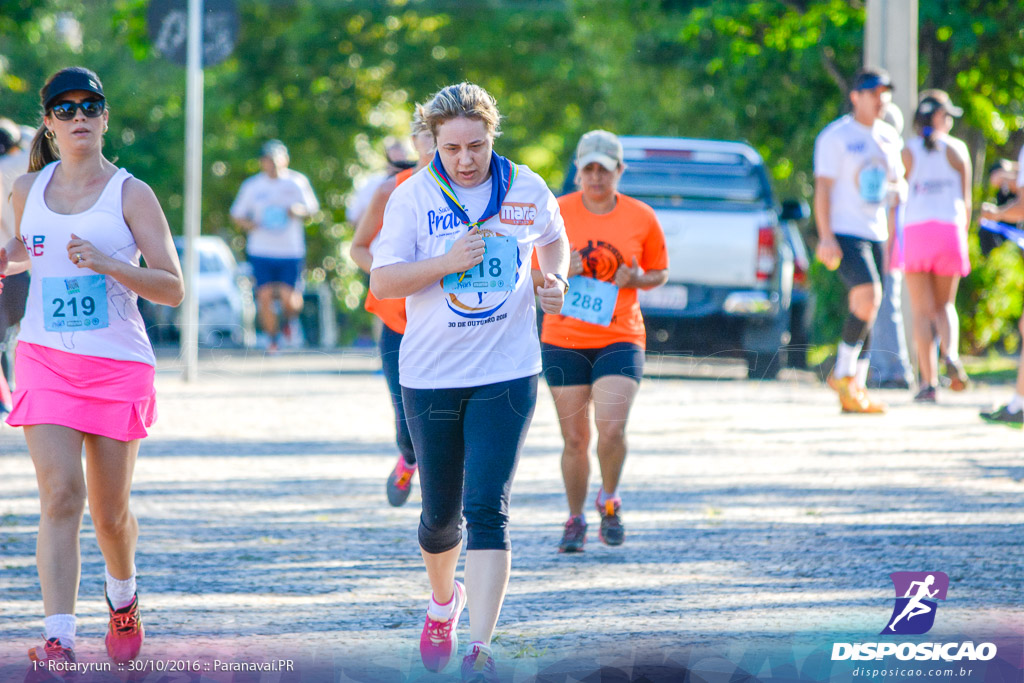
(872,406)
(854,399)
(125,632)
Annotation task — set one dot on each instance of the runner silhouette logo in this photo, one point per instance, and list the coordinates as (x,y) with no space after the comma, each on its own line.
(916,595)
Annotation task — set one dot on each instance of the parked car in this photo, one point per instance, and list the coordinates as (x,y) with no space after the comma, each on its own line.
(227,309)
(736,257)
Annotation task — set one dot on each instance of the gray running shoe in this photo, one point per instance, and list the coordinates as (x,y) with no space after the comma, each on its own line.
(575,535)
(612,532)
(399,484)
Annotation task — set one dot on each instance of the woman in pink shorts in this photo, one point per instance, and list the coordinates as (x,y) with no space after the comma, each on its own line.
(935,237)
(84,365)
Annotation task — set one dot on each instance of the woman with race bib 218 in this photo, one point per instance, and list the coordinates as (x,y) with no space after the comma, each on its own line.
(457,242)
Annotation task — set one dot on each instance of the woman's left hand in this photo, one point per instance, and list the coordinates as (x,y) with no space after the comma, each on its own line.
(628,277)
(84,255)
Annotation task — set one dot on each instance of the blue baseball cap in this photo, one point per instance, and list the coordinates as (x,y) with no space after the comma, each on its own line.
(869,79)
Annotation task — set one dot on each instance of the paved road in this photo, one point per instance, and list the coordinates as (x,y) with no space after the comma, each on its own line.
(754,511)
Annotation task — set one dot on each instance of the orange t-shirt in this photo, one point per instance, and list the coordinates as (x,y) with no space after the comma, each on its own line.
(390,311)
(606,242)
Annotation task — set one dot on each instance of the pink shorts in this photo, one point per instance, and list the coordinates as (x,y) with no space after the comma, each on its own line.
(112,398)
(935,247)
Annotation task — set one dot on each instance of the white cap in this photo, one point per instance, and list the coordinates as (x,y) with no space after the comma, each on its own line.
(600,146)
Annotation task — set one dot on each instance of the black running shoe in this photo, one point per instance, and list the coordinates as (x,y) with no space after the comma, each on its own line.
(612,532)
(574,536)
(1003,416)
(925,395)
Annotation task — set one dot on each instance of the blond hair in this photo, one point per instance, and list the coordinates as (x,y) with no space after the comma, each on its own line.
(467,100)
(419,120)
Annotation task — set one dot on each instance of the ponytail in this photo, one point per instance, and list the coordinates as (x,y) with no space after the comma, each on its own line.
(43,151)
(928,133)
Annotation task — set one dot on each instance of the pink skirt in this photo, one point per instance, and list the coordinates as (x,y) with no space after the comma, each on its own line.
(935,247)
(112,398)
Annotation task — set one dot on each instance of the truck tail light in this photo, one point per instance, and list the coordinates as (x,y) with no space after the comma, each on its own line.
(765,253)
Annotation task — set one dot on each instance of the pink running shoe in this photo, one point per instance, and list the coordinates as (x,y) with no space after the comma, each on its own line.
(125,632)
(439,642)
(52,655)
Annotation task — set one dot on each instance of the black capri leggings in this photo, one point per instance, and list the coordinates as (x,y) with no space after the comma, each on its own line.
(467,444)
(389,345)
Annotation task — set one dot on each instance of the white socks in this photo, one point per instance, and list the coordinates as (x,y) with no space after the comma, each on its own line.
(61,626)
(846,360)
(120,592)
(1016,403)
(439,612)
(603,496)
(863,365)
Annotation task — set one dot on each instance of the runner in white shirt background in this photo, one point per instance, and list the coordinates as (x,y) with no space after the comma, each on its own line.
(272,208)
(457,241)
(1012,413)
(857,171)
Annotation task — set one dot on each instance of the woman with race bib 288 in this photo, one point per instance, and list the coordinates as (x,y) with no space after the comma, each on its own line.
(457,242)
(594,351)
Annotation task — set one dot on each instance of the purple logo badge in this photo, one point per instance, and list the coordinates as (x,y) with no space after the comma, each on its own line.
(916,593)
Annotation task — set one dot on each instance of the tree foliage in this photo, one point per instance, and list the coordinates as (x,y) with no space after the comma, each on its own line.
(332,78)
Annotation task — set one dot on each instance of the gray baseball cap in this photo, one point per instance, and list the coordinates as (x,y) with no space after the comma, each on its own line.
(600,146)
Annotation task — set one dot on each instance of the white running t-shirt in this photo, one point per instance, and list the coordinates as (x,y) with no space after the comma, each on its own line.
(265,201)
(936,188)
(865,165)
(472,338)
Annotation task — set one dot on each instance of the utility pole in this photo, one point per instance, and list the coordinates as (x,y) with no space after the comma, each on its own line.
(890,43)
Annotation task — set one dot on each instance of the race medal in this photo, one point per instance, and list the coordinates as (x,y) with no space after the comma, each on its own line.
(275,218)
(872,184)
(590,300)
(72,304)
(496,273)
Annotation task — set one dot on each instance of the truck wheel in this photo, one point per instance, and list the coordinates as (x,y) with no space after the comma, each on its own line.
(765,365)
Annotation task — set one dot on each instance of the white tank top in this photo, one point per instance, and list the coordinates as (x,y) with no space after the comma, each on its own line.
(75,309)
(936,191)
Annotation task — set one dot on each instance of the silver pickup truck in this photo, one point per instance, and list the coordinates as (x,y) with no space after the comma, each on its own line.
(733,252)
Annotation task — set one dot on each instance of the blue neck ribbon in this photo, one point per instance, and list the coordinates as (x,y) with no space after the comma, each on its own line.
(503,173)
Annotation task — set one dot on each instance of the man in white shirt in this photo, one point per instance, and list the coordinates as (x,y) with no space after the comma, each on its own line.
(857,168)
(272,208)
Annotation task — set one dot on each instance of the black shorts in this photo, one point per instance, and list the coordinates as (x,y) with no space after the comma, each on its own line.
(572,367)
(862,261)
(12,301)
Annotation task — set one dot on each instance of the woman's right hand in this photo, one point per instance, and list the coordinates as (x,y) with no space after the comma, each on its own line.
(3,267)
(468,251)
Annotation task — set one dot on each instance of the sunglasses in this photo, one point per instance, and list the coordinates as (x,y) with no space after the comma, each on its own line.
(65,111)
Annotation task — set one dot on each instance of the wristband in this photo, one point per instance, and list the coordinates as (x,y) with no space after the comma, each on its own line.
(565,283)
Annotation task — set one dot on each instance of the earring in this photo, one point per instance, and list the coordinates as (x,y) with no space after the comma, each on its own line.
(105,127)
(48,134)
